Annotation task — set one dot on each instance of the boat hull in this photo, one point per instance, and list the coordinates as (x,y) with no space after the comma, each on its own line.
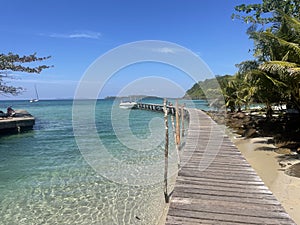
(128,105)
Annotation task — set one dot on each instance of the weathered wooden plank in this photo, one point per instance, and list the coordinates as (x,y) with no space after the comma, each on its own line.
(224,165)
(219,176)
(227,193)
(250,200)
(177,220)
(232,208)
(221,182)
(234,188)
(218,218)
(222,185)
(221,169)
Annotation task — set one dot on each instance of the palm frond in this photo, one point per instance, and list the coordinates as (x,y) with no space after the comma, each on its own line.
(277,43)
(277,67)
(294,72)
(290,29)
(286,56)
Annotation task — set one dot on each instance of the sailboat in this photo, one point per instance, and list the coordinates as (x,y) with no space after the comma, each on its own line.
(36,95)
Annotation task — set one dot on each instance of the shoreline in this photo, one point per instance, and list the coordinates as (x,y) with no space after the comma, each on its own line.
(265,161)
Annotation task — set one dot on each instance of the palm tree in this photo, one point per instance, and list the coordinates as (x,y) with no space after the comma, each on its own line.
(237,93)
(277,76)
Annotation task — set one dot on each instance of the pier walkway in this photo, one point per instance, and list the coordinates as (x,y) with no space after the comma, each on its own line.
(216,185)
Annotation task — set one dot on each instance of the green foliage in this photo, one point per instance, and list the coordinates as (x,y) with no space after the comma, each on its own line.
(195,92)
(10,63)
(207,89)
(274,76)
(265,12)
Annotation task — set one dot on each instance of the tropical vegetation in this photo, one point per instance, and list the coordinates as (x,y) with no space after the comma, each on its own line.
(273,77)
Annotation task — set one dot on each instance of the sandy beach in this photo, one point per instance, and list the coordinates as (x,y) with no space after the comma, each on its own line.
(260,154)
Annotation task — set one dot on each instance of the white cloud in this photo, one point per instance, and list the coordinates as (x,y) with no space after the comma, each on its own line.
(165,50)
(86,34)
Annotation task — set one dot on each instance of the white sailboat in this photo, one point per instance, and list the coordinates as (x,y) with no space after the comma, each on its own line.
(36,95)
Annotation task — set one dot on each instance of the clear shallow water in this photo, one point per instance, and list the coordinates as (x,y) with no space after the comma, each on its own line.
(44,178)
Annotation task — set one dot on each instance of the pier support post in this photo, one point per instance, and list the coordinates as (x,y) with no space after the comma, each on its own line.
(167,198)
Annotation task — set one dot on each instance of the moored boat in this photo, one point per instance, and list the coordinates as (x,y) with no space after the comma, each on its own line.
(128,105)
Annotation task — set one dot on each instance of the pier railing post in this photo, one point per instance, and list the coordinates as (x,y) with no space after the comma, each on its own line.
(182,120)
(177,124)
(166,151)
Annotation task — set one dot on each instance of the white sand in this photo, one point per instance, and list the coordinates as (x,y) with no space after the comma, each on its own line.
(265,162)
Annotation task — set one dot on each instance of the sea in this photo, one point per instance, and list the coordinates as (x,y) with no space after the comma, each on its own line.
(78,167)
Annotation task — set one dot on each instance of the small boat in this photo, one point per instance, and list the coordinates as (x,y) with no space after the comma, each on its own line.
(36,94)
(33,100)
(128,105)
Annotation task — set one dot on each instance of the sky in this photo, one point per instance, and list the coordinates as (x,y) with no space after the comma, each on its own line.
(76,33)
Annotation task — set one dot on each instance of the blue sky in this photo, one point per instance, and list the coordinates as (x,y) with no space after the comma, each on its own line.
(75,33)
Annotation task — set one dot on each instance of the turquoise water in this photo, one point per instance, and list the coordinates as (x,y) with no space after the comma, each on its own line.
(46,178)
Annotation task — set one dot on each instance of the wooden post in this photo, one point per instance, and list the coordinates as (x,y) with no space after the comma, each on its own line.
(166,152)
(177,124)
(176,146)
(173,127)
(182,120)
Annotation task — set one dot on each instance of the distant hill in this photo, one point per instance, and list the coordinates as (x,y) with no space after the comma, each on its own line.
(207,89)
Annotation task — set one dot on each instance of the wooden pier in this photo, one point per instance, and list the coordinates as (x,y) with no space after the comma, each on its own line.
(216,185)
(21,121)
(156,107)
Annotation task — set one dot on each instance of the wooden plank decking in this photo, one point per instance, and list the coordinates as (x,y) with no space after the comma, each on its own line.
(216,185)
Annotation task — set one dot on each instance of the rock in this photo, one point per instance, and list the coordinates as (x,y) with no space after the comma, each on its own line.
(293,170)
(239,115)
(285,151)
(282,164)
(250,132)
(239,131)
(236,123)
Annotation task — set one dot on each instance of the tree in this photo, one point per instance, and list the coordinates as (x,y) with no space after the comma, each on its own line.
(275,29)
(283,66)
(275,75)
(237,92)
(10,63)
(265,12)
